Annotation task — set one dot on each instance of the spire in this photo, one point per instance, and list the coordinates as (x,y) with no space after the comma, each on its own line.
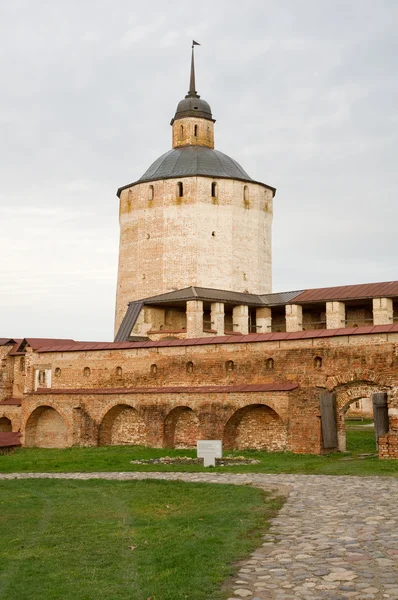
(192,91)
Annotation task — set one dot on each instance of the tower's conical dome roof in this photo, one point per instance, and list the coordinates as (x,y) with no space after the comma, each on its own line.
(194,160)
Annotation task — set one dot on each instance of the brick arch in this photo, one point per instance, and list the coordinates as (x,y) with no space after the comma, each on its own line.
(349,393)
(255,426)
(181,428)
(122,425)
(5,424)
(46,428)
(12,417)
(356,377)
(345,396)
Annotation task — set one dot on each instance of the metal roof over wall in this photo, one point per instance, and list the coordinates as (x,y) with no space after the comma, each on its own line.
(227,339)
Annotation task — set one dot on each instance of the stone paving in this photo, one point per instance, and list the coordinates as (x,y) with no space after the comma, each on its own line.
(335,538)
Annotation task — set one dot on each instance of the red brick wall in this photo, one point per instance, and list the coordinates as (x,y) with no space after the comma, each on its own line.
(255,427)
(351,366)
(122,425)
(181,429)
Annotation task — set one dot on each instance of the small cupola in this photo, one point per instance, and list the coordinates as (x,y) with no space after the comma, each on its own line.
(193,123)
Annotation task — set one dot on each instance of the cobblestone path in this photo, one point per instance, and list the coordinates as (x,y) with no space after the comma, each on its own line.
(335,538)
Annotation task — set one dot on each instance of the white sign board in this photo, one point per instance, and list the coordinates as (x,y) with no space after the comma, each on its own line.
(209,450)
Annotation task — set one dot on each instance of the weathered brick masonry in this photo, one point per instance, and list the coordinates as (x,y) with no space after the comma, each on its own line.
(250,394)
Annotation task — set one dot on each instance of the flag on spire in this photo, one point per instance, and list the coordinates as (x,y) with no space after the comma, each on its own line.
(195,43)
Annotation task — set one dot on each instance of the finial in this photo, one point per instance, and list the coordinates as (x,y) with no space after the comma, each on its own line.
(192,91)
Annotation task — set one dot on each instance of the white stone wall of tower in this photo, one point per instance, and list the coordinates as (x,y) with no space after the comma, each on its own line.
(171,242)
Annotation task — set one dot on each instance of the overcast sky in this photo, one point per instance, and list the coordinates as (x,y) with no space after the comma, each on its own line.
(305,93)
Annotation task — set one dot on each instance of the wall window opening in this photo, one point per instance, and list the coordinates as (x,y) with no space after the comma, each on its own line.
(181,131)
(318,362)
(195,131)
(86,372)
(246,193)
(229,366)
(154,369)
(150,192)
(190,367)
(269,364)
(119,371)
(214,190)
(180,189)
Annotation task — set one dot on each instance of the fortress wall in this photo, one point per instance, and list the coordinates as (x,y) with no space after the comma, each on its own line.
(372,355)
(352,366)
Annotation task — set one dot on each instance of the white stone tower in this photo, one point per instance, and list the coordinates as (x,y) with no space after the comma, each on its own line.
(195,218)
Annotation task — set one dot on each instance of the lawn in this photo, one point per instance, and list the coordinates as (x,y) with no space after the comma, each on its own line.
(138,540)
(117,458)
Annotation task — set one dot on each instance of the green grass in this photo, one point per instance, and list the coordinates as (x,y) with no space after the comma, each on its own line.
(117,458)
(358,422)
(139,540)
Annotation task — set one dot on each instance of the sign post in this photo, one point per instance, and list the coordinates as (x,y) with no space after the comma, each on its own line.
(209,450)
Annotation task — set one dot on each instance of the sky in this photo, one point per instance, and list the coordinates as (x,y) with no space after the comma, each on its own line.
(305,94)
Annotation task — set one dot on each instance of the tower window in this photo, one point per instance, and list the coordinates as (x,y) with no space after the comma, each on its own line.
(150,192)
(180,189)
(214,190)
(246,193)
(86,372)
(195,130)
(181,131)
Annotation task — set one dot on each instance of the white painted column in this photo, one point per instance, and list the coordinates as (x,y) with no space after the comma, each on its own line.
(217,317)
(383,311)
(294,317)
(335,315)
(194,318)
(263,320)
(240,319)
